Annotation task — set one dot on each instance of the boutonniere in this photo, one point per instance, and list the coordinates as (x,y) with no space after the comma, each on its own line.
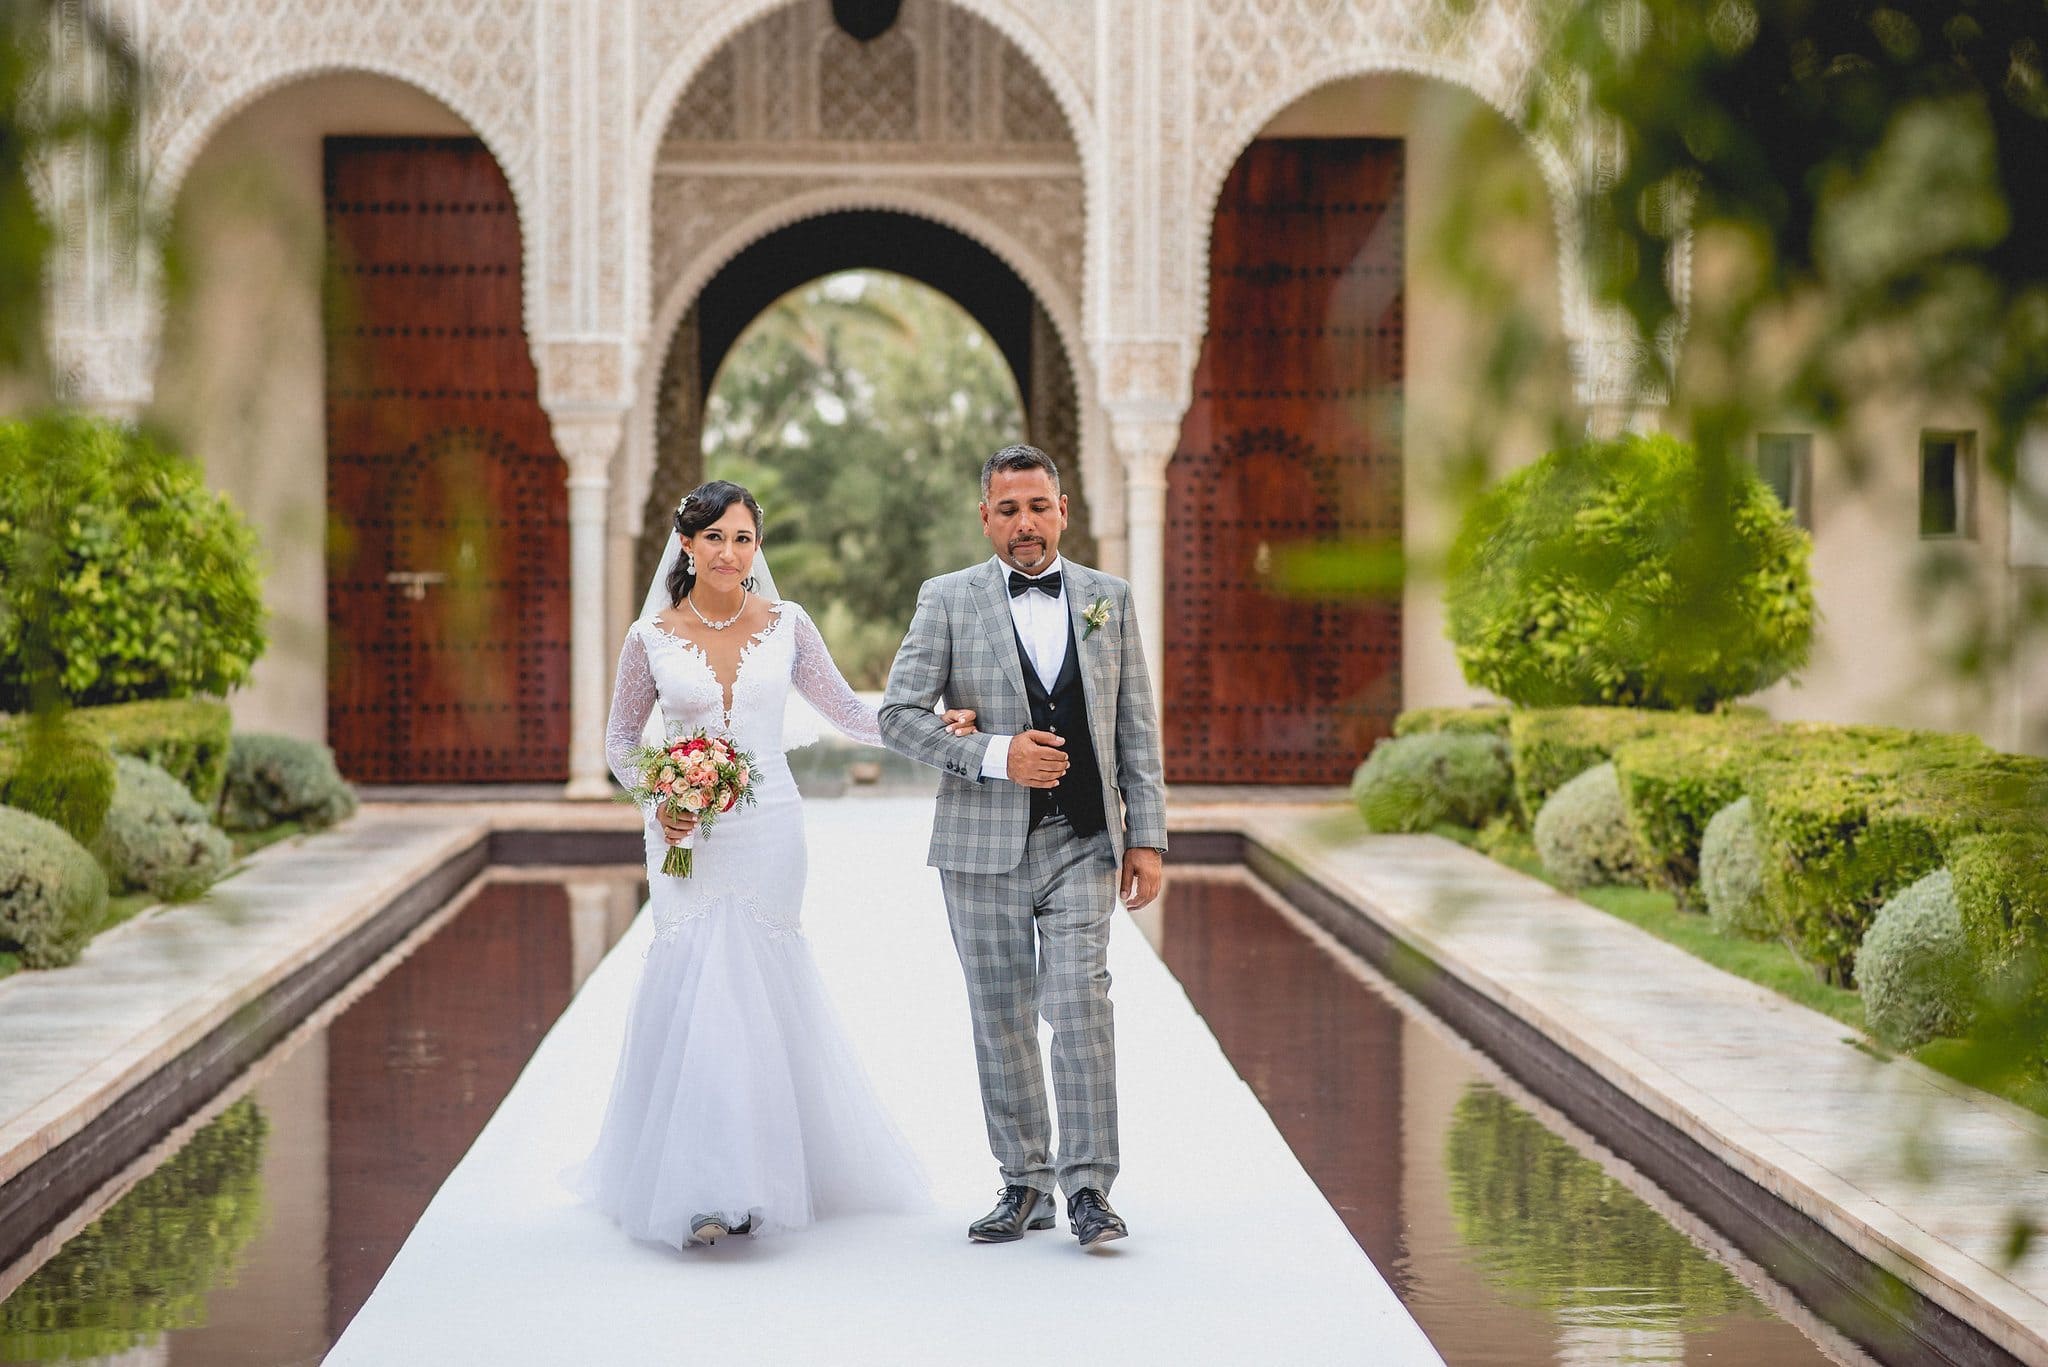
(1096,615)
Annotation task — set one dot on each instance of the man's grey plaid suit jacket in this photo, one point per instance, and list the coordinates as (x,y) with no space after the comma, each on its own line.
(962,648)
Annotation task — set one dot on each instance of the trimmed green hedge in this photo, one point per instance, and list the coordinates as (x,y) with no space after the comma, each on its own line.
(2001,883)
(187,738)
(1422,721)
(1549,747)
(1732,874)
(53,896)
(1583,836)
(1413,782)
(65,775)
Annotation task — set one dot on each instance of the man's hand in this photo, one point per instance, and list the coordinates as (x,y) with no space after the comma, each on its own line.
(1144,871)
(960,721)
(676,827)
(1036,759)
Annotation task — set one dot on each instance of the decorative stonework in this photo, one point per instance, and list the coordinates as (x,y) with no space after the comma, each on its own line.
(867,92)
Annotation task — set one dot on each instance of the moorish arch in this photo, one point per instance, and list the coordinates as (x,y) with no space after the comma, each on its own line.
(770,265)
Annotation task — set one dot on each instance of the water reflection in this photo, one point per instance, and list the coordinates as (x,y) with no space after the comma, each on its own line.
(147,1265)
(1507,1243)
(261,1237)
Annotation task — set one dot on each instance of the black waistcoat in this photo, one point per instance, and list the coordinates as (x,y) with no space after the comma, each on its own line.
(1064,709)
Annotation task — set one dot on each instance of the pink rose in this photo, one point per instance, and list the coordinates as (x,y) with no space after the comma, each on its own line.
(742,777)
(702,775)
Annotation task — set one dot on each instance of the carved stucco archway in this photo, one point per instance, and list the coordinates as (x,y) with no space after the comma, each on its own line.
(1062,307)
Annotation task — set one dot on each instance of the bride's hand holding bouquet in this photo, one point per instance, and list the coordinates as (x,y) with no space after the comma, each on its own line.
(694,776)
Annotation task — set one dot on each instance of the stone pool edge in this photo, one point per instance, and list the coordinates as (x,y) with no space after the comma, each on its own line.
(1829,1255)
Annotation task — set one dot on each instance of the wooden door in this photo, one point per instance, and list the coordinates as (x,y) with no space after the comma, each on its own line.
(448,554)
(1293,437)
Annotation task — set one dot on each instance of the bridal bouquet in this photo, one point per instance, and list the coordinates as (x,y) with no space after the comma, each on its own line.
(697,775)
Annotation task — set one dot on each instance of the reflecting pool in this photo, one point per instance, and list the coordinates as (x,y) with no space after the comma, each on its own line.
(257,1238)
(1510,1237)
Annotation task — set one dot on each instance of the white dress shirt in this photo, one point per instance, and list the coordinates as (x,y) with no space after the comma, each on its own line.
(1042,626)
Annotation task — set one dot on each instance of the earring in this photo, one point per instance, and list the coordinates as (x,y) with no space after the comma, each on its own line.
(749,584)
(690,563)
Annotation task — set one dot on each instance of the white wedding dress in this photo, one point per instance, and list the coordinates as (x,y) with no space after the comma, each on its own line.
(737,1092)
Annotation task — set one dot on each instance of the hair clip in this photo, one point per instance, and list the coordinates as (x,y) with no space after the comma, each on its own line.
(687,498)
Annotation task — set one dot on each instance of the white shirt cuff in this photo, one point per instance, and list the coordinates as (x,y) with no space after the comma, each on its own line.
(995,761)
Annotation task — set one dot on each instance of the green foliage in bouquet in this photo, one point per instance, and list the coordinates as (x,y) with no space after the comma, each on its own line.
(1555,1231)
(1584,579)
(1410,783)
(121,577)
(146,1266)
(53,896)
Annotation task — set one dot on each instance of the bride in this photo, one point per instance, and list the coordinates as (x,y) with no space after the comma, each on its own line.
(738,1105)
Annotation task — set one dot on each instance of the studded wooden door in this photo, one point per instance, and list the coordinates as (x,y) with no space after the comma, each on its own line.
(1293,438)
(447,588)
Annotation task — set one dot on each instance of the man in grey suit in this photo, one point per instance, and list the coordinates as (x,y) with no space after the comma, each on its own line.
(1045,816)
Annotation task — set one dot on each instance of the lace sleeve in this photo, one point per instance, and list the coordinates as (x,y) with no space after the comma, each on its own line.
(633,698)
(825,688)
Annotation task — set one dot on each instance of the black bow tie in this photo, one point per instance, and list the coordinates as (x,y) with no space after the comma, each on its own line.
(1048,584)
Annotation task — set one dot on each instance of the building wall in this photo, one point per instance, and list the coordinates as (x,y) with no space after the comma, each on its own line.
(1446,334)
(242,380)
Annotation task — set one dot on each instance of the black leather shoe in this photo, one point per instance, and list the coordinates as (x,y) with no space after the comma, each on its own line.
(1091,1219)
(1019,1209)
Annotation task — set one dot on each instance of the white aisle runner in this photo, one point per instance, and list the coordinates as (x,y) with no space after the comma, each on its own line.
(1234,1257)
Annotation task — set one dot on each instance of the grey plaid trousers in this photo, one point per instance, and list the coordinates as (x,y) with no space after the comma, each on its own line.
(1032,941)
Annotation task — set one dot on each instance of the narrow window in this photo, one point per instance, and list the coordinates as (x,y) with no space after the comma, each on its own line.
(1784,460)
(1947,484)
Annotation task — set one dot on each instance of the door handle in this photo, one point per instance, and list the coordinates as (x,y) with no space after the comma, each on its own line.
(416,581)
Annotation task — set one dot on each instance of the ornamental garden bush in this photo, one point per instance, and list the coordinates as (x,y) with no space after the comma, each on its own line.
(275,779)
(1732,874)
(1413,782)
(53,896)
(1489,721)
(1582,833)
(56,768)
(122,578)
(1914,966)
(1598,575)
(1548,747)
(157,838)
(187,737)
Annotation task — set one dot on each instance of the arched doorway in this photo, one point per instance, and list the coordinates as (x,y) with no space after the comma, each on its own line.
(970,274)
(350,362)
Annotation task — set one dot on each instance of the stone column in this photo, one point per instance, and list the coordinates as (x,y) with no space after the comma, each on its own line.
(587,441)
(1144,445)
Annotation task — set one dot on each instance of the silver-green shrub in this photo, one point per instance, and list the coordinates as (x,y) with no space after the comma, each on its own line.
(1914,965)
(52,895)
(274,779)
(157,837)
(1583,835)
(1732,874)
(1414,782)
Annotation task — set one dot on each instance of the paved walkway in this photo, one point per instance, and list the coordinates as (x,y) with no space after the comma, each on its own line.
(1916,1171)
(1234,1256)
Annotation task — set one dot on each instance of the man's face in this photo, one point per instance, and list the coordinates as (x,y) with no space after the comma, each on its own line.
(1023,518)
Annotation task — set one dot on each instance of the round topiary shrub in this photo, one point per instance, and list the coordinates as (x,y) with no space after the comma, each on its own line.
(1732,873)
(1606,574)
(1914,966)
(157,838)
(274,779)
(53,896)
(121,576)
(1414,782)
(1582,833)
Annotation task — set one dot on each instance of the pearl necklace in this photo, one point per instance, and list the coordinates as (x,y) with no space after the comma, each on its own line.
(717,626)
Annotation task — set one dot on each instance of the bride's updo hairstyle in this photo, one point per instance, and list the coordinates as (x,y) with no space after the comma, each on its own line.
(701,507)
